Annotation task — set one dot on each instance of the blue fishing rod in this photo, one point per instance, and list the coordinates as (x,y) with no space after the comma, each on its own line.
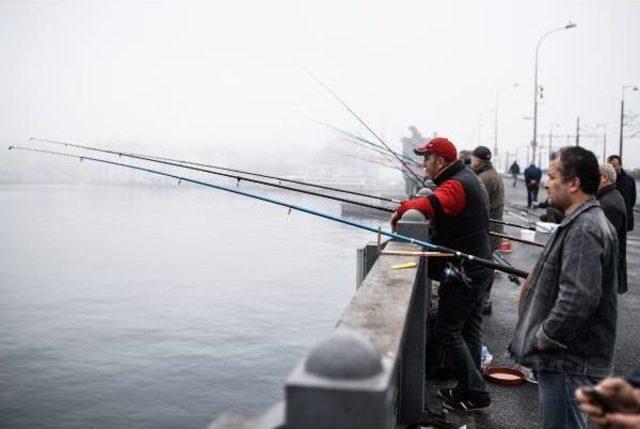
(390,234)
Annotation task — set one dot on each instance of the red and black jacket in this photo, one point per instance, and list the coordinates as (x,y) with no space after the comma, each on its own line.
(458,209)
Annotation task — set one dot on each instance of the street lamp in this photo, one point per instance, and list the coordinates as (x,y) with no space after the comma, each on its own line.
(495,126)
(633,88)
(534,142)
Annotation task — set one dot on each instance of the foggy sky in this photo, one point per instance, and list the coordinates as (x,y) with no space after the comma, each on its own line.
(219,77)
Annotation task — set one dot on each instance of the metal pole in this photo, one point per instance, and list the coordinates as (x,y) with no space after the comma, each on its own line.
(604,147)
(578,131)
(621,122)
(634,88)
(534,142)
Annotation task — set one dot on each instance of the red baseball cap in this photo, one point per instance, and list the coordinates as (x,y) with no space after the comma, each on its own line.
(441,146)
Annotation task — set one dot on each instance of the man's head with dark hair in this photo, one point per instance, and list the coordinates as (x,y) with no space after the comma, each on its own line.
(616,162)
(579,162)
(574,176)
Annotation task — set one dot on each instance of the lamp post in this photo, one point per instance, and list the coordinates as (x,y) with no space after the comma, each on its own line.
(534,142)
(633,88)
(495,125)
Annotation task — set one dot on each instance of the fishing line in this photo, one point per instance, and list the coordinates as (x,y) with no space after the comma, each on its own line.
(317,79)
(176,163)
(424,244)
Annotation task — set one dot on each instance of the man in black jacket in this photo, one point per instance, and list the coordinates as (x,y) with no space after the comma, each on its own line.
(458,210)
(615,210)
(532,176)
(627,187)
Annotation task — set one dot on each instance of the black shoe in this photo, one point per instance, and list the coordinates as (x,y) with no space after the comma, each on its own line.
(468,405)
(446,394)
(454,400)
(487,308)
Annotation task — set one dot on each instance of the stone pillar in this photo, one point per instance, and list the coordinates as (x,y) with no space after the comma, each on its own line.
(343,383)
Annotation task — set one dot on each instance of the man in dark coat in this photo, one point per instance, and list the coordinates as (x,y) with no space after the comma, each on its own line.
(532,176)
(458,210)
(481,164)
(615,210)
(627,187)
(514,170)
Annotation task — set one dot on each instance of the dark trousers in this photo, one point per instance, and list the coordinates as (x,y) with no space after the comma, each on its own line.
(459,330)
(532,194)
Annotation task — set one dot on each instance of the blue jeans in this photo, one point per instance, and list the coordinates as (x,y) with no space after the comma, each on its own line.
(558,408)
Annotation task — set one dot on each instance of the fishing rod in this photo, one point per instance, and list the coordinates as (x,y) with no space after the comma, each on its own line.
(387,157)
(376,162)
(247,179)
(404,238)
(521,240)
(501,259)
(363,140)
(317,79)
(381,152)
(185,164)
(261,182)
(502,222)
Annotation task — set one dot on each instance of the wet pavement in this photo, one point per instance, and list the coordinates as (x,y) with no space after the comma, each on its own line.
(517,407)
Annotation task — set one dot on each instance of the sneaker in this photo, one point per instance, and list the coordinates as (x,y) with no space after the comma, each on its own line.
(453,400)
(446,394)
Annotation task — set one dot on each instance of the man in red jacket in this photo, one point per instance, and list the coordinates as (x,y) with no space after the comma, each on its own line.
(458,211)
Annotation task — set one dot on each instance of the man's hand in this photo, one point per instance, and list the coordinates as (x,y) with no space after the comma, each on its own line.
(394,221)
(622,395)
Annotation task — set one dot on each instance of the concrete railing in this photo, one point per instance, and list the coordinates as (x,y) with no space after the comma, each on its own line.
(369,373)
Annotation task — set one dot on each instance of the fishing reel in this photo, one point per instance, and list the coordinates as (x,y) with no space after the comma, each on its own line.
(454,273)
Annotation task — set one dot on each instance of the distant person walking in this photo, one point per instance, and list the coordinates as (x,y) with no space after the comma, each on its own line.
(627,187)
(481,164)
(514,170)
(532,176)
(566,328)
(615,210)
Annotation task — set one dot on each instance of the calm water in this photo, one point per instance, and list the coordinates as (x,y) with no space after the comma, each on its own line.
(159,307)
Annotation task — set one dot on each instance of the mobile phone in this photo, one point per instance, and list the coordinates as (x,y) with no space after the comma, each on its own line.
(596,398)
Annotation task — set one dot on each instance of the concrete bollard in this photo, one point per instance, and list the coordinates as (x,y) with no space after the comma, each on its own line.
(343,383)
(413,224)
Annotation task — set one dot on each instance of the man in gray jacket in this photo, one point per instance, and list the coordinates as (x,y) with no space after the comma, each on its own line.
(483,167)
(567,311)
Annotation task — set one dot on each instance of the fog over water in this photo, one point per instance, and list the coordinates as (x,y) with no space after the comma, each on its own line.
(129,301)
(220,79)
